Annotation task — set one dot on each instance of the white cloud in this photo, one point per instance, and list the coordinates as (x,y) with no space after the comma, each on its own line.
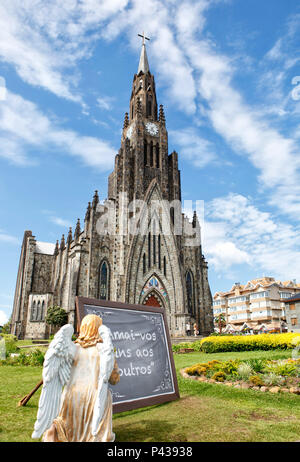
(60,221)
(243,127)
(18,133)
(105,102)
(237,232)
(193,147)
(43,40)
(8,238)
(3,318)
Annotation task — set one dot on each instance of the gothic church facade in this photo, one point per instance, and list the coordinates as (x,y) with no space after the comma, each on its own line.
(129,250)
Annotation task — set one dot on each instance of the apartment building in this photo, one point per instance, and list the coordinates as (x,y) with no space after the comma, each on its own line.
(292,309)
(257,305)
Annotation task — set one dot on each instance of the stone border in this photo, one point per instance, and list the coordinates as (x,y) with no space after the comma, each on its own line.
(241,385)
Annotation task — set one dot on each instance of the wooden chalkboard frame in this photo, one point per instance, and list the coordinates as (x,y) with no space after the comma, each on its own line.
(134,404)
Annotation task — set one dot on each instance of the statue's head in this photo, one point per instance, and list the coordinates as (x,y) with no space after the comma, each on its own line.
(89,335)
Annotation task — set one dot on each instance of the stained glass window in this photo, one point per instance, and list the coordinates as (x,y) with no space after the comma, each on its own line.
(103,281)
(190,292)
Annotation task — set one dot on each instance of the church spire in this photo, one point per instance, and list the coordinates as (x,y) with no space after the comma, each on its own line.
(143,64)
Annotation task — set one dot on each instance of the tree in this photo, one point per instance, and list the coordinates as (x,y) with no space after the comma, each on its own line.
(220,321)
(7,327)
(56,316)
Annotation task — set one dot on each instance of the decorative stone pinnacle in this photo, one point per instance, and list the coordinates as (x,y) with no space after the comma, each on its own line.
(77,230)
(56,248)
(161,114)
(62,242)
(88,212)
(126,121)
(95,199)
(70,236)
(195,219)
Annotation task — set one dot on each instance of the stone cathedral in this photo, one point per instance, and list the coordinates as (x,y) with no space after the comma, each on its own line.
(128,249)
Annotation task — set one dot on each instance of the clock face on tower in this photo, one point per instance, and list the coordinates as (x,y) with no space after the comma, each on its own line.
(151,128)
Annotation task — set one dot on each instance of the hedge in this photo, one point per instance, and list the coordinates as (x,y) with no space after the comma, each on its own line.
(215,344)
(249,342)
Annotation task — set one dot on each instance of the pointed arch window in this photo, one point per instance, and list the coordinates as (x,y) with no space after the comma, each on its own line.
(189,281)
(145,153)
(144,263)
(165,266)
(157,156)
(154,243)
(38,311)
(33,311)
(149,250)
(159,251)
(172,214)
(103,281)
(151,154)
(149,106)
(43,311)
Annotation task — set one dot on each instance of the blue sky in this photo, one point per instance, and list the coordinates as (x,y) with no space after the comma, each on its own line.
(227,72)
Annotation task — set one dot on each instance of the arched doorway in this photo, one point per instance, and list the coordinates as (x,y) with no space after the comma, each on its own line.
(155,294)
(152,300)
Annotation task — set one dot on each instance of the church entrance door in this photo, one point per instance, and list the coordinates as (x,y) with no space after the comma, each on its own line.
(152,301)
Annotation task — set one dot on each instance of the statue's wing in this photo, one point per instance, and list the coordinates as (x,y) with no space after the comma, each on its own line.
(107,359)
(56,373)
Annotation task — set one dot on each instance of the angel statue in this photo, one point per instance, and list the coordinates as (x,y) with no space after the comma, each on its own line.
(75,402)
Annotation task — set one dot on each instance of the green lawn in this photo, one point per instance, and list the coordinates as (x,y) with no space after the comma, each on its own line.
(205,412)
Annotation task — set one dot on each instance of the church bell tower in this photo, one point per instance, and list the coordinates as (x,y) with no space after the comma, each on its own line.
(143,155)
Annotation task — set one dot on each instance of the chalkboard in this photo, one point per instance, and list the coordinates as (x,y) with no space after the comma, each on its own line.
(143,352)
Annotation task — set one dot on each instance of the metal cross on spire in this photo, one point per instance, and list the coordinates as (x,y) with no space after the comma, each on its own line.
(143,37)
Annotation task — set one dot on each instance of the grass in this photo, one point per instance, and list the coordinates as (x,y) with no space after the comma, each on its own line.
(205,412)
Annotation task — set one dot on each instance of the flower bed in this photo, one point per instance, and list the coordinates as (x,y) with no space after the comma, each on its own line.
(259,374)
(215,344)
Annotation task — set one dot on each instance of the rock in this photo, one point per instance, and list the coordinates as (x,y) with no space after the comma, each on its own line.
(237,386)
(274,390)
(285,390)
(294,390)
(263,388)
(228,384)
(245,386)
(201,379)
(255,388)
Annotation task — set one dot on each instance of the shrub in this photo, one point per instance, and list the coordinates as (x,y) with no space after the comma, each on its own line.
(273,379)
(230,367)
(256,380)
(56,316)
(244,371)
(257,365)
(182,345)
(283,368)
(33,358)
(215,344)
(219,376)
(197,369)
(10,343)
